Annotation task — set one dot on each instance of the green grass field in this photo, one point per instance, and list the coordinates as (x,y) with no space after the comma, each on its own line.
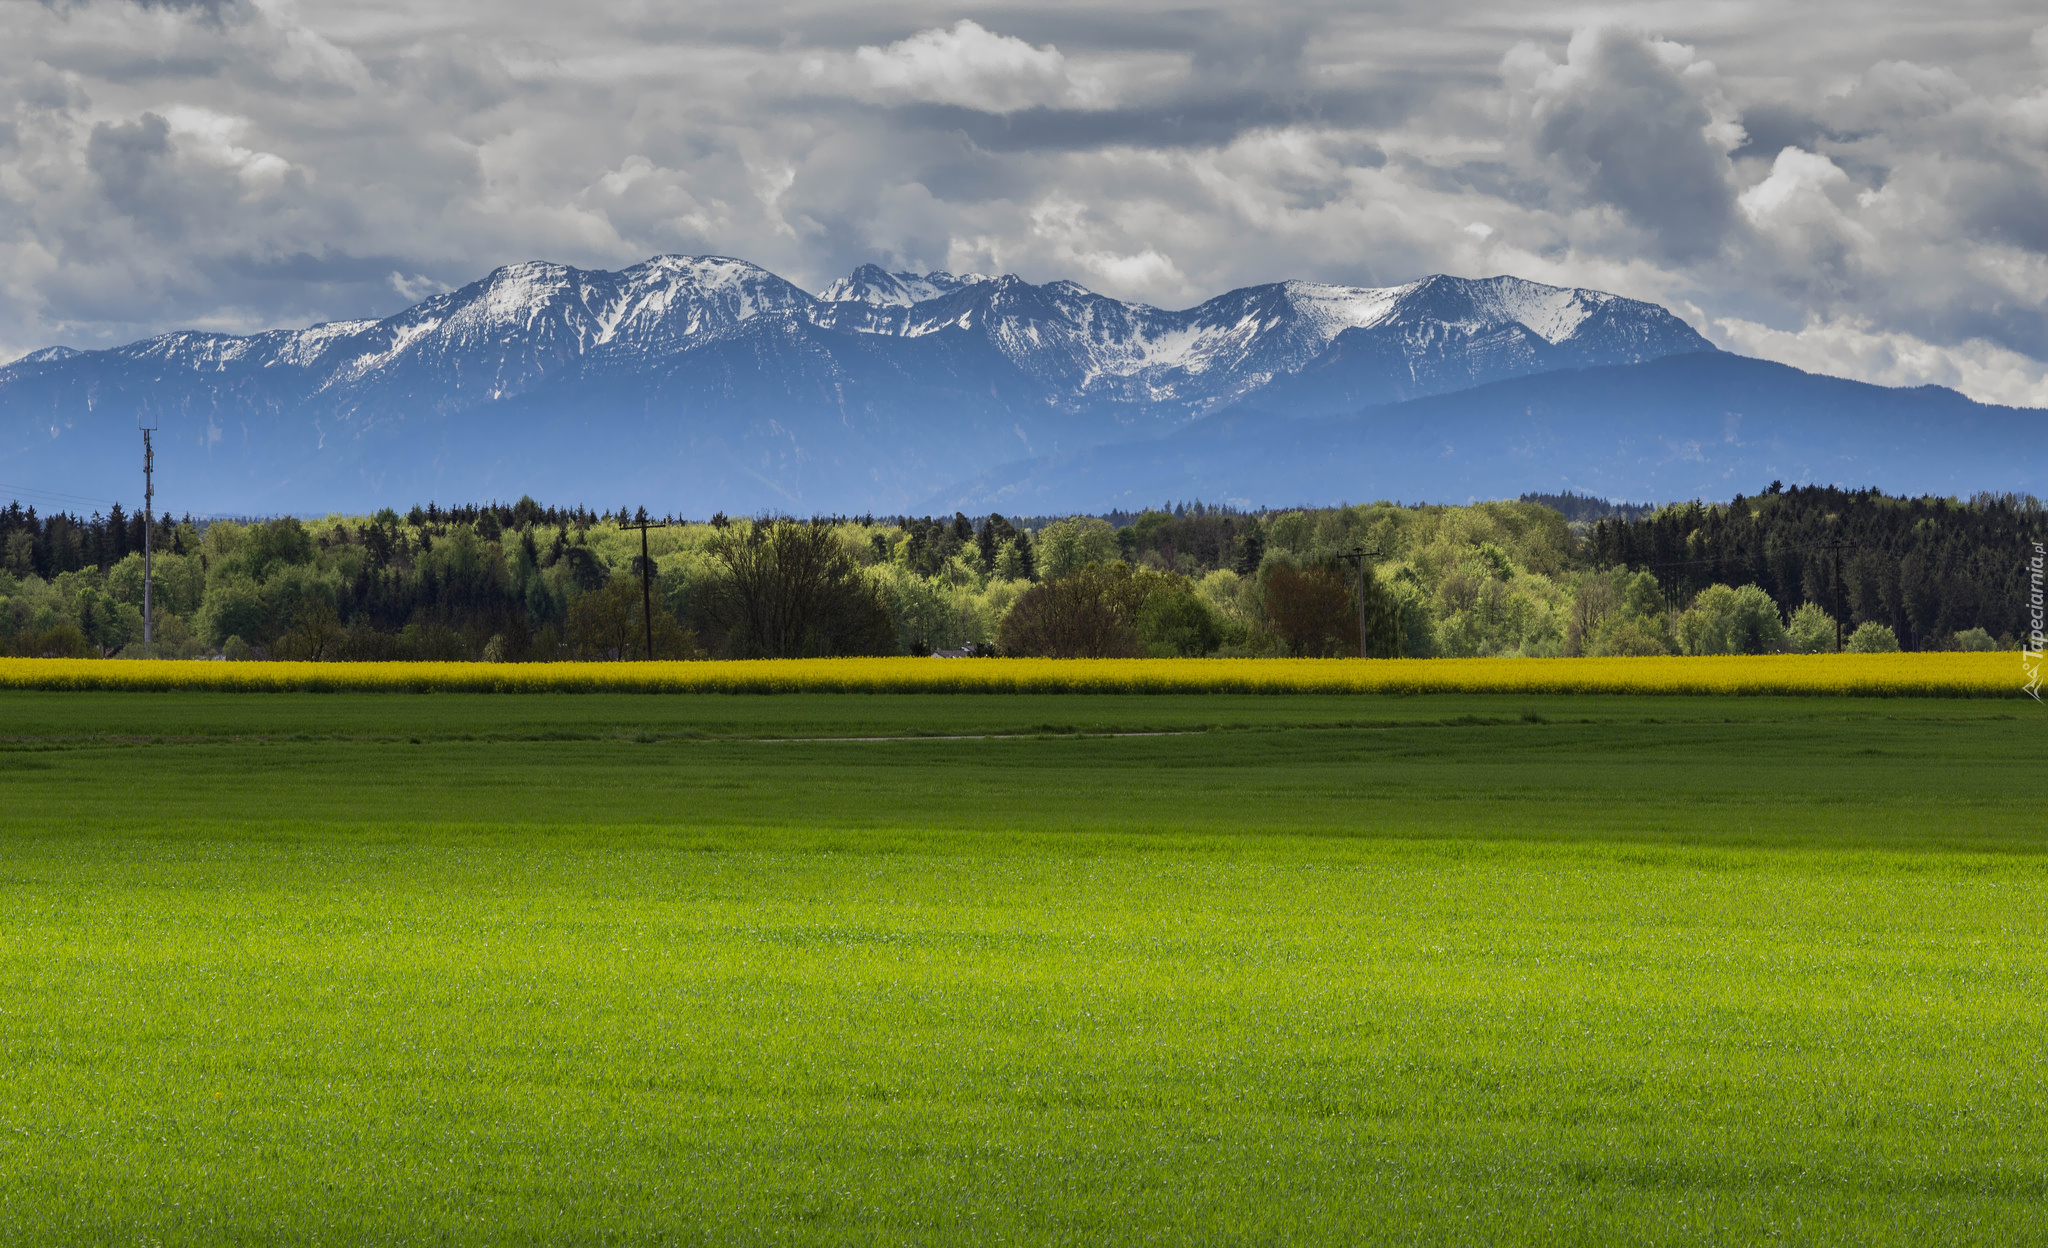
(344,969)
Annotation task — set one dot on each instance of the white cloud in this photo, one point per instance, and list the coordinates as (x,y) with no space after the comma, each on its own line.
(1800,185)
(1856,348)
(1071,237)
(968,65)
(416,287)
(211,136)
(1634,123)
(1804,214)
(1878,175)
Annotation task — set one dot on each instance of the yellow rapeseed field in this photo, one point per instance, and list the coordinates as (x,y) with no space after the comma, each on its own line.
(1867,675)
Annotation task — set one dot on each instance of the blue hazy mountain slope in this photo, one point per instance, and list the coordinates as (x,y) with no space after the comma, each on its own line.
(697,384)
(707,382)
(1701,425)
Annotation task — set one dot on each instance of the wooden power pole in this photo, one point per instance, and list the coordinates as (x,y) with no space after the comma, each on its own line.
(148,426)
(1359,555)
(642,523)
(1837,546)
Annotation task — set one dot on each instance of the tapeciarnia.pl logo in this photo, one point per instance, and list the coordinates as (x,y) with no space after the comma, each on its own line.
(2030,654)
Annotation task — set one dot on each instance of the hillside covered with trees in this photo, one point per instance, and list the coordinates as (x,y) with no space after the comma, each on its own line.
(524,582)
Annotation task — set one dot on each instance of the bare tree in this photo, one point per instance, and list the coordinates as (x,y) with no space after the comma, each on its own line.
(791,589)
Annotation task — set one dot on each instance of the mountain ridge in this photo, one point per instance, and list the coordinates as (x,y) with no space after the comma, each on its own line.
(712,379)
(539,317)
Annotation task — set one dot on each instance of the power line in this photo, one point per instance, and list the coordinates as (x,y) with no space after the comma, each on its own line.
(1834,546)
(57,494)
(1789,549)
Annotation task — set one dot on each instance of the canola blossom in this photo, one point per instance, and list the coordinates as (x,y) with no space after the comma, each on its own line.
(1858,675)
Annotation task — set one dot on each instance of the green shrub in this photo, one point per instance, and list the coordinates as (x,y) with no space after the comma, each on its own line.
(1812,630)
(1174,622)
(1067,546)
(1974,639)
(1872,637)
(1724,620)
(1107,611)
(1628,635)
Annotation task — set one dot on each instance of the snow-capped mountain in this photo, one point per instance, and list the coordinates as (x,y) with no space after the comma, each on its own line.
(1445,333)
(869,284)
(1421,338)
(528,323)
(491,340)
(702,383)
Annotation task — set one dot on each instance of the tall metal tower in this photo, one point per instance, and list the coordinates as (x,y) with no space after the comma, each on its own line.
(148,426)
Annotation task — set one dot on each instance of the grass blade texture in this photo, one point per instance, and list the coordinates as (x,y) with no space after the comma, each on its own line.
(1037,968)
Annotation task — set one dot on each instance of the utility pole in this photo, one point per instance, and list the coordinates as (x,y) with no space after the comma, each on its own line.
(148,426)
(1837,546)
(642,523)
(1359,555)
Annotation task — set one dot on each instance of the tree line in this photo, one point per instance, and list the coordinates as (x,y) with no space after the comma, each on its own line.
(1926,568)
(526,582)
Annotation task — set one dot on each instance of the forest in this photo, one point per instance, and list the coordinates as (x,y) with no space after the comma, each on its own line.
(1805,569)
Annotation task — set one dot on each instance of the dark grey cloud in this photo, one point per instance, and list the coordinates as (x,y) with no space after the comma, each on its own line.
(2007,209)
(129,159)
(208,8)
(1631,125)
(1855,188)
(1768,129)
(1207,120)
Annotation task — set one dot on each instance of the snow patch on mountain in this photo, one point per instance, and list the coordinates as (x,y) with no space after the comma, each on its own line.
(1334,309)
(675,296)
(306,346)
(870,284)
(47,355)
(514,297)
(1553,313)
(199,351)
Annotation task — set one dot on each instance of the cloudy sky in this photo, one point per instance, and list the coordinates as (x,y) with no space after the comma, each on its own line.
(1858,187)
